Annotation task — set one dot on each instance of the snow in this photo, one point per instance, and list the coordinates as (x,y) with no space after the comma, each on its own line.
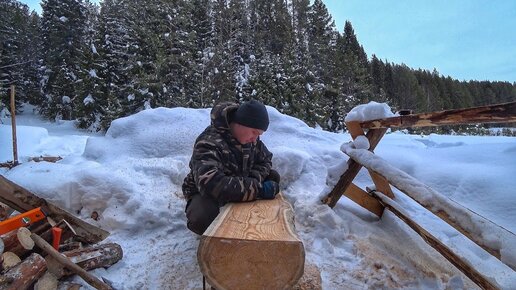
(93,73)
(132,177)
(369,111)
(88,100)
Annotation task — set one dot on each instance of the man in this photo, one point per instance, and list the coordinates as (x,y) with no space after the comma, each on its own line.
(229,163)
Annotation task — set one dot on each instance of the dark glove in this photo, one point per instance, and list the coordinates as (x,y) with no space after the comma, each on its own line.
(269,190)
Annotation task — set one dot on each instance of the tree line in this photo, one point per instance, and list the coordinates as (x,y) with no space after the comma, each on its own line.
(80,61)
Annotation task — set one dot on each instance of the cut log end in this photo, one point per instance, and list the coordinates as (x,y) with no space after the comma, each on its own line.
(24,238)
(9,260)
(47,282)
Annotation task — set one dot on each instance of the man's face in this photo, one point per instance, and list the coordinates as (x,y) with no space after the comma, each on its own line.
(245,135)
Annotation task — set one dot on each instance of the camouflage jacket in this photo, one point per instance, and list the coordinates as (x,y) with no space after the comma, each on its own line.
(223,168)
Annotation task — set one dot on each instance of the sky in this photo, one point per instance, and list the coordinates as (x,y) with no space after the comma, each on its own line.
(464,39)
(132,178)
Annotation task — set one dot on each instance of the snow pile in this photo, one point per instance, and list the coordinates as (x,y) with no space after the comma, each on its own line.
(486,232)
(132,178)
(369,111)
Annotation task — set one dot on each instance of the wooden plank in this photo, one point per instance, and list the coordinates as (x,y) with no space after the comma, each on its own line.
(500,113)
(362,198)
(475,227)
(465,267)
(252,245)
(23,200)
(374,137)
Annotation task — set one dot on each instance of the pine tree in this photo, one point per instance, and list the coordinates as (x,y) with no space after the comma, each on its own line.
(202,51)
(63,30)
(321,48)
(18,52)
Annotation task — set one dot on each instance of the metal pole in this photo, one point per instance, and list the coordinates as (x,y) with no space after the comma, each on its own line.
(13,124)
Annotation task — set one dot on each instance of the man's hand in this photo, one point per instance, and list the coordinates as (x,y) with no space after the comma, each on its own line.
(269,190)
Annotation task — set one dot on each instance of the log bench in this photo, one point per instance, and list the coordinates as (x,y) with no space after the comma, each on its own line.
(252,245)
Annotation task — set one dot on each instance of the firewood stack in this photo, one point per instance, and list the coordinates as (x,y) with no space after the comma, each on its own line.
(29,258)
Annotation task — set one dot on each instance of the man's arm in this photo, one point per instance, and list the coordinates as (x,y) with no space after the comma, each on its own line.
(262,162)
(208,170)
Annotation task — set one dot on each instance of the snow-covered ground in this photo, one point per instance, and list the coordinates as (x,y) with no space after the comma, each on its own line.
(132,176)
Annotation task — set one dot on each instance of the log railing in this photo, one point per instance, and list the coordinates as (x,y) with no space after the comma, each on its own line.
(473,226)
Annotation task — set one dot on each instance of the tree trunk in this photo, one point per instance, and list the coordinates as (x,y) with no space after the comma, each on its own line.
(252,245)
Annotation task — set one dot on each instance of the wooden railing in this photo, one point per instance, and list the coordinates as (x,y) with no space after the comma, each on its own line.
(475,227)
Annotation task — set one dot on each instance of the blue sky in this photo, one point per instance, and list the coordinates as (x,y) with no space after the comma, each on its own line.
(465,39)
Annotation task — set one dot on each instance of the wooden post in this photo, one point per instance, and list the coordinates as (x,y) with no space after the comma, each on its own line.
(354,167)
(13,125)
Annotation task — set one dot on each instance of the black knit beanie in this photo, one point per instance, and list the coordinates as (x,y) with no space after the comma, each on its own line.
(252,114)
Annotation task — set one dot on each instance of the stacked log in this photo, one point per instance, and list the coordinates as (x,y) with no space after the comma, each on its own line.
(28,261)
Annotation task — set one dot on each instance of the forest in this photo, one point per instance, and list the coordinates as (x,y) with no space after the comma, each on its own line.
(95,63)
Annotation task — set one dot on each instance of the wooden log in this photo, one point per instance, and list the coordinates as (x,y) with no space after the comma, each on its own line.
(90,279)
(70,246)
(99,256)
(465,267)
(252,246)
(47,282)
(52,159)
(23,200)
(499,113)
(24,274)
(9,260)
(363,199)
(14,245)
(374,137)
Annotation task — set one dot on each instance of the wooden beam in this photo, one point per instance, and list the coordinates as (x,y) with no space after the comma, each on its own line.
(23,200)
(382,185)
(374,137)
(252,245)
(464,266)
(500,113)
(362,198)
